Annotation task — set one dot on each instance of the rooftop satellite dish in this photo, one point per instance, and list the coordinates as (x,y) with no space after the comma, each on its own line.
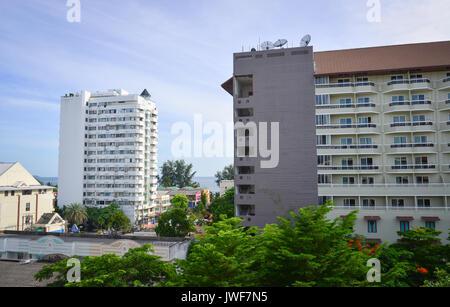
(305,40)
(267,46)
(280,43)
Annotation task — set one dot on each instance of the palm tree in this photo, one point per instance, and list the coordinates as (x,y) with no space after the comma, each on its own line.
(76,214)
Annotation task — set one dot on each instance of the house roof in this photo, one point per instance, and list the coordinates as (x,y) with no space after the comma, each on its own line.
(379,60)
(4,166)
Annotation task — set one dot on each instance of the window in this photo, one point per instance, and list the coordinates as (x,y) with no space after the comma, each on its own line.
(401,162)
(398,202)
(27,207)
(347,162)
(421,160)
(322,80)
(399,119)
(365,141)
(246,210)
(372,226)
(398,100)
(323,200)
(368,202)
(404,226)
(363,100)
(402,180)
(421,139)
(430,225)
(322,119)
(416,99)
(364,120)
(324,160)
(12,193)
(349,202)
(423,203)
(367,180)
(422,180)
(324,179)
(322,99)
(6,193)
(344,82)
(419,118)
(366,162)
(345,122)
(345,102)
(348,180)
(400,140)
(362,81)
(346,141)
(323,139)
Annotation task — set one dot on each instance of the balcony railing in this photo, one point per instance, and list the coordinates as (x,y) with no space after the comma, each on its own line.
(348,167)
(408,103)
(406,81)
(413,166)
(345,126)
(346,84)
(416,123)
(346,106)
(405,145)
(385,185)
(356,207)
(356,146)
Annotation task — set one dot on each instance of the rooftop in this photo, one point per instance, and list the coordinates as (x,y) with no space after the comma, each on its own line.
(378,60)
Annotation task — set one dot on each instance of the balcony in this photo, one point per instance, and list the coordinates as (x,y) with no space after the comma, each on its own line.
(345,128)
(346,88)
(444,126)
(406,85)
(412,148)
(421,168)
(444,105)
(444,84)
(415,105)
(420,126)
(386,189)
(348,149)
(368,107)
(349,169)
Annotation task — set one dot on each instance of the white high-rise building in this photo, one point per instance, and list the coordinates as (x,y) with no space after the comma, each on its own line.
(108,151)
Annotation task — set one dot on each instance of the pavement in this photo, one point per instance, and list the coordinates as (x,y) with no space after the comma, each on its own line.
(14,274)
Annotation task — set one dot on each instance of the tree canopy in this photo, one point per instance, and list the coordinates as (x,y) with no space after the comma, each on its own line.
(177,174)
(226,174)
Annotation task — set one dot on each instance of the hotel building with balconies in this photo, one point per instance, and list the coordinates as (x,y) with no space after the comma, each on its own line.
(383,136)
(108,152)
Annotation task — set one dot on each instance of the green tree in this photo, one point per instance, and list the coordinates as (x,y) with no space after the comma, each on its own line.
(119,221)
(177,174)
(136,268)
(175,223)
(223,206)
(180,201)
(76,214)
(226,174)
(222,257)
(308,249)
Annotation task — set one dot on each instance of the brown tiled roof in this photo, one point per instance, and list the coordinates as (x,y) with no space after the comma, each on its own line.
(423,56)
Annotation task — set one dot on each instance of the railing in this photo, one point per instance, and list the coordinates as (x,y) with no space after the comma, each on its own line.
(403,145)
(356,146)
(346,106)
(346,84)
(385,185)
(408,103)
(416,123)
(348,167)
(345,126)
(413,166)
(357,207)
(406,81)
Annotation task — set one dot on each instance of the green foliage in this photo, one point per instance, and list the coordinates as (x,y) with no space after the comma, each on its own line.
(175,223)
(177,174)
(309,250)
(180,201)
(76,214)
(222,257)
(110,216)
(226,174)
(136,268)
(223,206)
(442,278)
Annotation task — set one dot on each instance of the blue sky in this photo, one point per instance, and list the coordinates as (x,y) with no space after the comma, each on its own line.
(180,50)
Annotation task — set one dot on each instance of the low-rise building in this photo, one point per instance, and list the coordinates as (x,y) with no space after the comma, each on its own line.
(193,194)
(23,199)
(225,185)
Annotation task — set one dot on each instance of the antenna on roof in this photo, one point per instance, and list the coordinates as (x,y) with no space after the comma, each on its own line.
(267,45)
(280,43)
(305,40)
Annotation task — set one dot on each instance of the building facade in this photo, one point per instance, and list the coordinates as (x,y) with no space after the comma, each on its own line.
(225,185)
(23,200)
(383,136)
(108,151)
(273,88)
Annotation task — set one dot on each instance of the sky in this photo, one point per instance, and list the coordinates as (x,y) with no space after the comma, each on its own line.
(180,50)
